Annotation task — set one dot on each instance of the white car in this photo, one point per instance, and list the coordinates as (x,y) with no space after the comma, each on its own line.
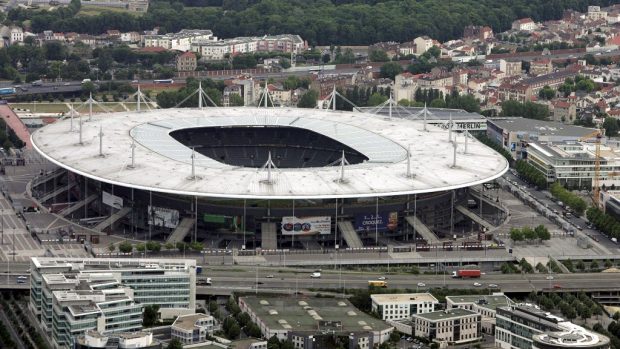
(315,275)
(381,278)
(477,284)
(421,284)
(493,286)
(269,276)
(549,277)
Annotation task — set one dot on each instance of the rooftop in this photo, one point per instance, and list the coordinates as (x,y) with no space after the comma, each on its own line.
(403,298)
(188,322)
(541,127)
(309,314)
(486,301)
(163,164)
(445,314)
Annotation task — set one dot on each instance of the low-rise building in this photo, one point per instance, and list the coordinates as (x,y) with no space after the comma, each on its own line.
(526,326)
(485,305)
(220,49)
(92,339)
(510,68)
(402,306)
(563,111)
(186,61)
(541,67)
(514,134)
(422,44)
(524,24)
(308,322)
(181,41)
(193,328)
(453,326)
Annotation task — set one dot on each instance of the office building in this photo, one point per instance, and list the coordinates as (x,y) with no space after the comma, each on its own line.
(193,328)
(71,295)
(92,339)
(312,321)
(572,164)
(402,306)
(526,326)
(485,305)
(450,327)
(514,134)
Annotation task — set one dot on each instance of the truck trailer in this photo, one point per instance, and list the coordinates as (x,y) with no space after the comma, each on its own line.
(466,273)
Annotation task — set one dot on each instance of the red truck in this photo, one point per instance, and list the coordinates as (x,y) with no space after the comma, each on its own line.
(466,273)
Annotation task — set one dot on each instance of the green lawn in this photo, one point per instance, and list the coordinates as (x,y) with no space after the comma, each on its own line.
(92,10)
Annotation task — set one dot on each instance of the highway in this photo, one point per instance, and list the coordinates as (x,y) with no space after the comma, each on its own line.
(234,278)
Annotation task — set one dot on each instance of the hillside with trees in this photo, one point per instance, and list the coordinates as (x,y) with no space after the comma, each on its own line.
(321,22)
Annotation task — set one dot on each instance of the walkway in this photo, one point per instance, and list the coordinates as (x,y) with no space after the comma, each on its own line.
(350,235)
(15,124)
(422,229)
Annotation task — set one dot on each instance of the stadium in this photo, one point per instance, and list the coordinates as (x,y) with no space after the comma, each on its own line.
(265,178)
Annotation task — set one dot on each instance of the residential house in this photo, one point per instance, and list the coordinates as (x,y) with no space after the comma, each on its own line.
(510,68)
(541,67)
(524,24)
(477,32)
(422,44)
(186,61)
(563,111)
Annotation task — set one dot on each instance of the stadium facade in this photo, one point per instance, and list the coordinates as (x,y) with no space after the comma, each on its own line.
(262,177)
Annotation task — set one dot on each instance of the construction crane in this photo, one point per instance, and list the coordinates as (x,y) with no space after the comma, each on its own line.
(596,188)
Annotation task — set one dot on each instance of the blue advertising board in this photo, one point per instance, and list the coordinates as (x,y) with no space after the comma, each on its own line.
(381,222)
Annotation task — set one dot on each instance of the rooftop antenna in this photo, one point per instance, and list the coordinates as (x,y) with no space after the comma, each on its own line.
(90,107)
(269,165)
(133,153)
(409,174)
(139,96)
(450,129)
(100,140)
(425,112)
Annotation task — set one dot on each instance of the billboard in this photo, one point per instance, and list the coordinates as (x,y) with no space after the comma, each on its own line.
(306,225)
(381,222)
(234,223)
(112,200)
(159,216)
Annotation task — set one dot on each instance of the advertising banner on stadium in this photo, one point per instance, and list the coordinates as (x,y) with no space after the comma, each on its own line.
(163,217)
(306,225)
(112,200)
(381,222)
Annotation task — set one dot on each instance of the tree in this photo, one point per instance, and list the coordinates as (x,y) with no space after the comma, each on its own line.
(611,127)
(150,315)
(89,87)
(390,70)
(376,99)
(308,100)
(378,56)
(111,247)
(546,93)
(175,344)
(125,247)
(252,330)
(181,246)
(213,306)
(153,246)
(235,100)
(528,233)
(580,265)
(542,232)
(273,342)
(516,235)
(196,246)
(140,247)
(169,246)
(594,265)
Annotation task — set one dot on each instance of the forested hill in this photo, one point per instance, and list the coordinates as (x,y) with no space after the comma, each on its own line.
(321,22)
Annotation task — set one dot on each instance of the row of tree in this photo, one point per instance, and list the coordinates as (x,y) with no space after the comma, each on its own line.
(570,305)
(528,234)
(529,110)
(530,173)
(604,222)
(568,198)
(358,22)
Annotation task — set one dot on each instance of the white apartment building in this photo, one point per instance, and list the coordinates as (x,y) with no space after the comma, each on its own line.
(98,285)
(193,328)
(124,340)
(219,49)
(16,35)
(422,44)
(454,326)
(402,306)
(595,13)
(181,41)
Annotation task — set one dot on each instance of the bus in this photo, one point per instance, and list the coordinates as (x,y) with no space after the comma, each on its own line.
(164,81)
(377,283)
